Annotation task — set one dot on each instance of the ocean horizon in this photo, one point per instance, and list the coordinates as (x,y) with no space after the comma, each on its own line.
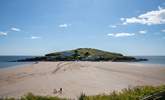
(7,61)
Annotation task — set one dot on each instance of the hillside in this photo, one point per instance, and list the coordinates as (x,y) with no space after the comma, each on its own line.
(87,54)
(84,54)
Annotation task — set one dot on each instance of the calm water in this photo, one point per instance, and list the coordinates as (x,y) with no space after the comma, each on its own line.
(153,59)
(5,60)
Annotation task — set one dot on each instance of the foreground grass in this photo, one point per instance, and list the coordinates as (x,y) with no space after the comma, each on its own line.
(136,93)
(30,96)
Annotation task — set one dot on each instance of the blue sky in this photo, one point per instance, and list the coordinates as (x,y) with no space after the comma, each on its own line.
(37,27)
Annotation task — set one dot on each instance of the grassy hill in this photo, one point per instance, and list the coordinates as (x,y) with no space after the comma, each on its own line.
(91,51)
(84,54)
(88,54)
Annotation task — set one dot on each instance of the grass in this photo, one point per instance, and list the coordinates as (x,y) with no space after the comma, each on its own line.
(30,96)
(91,51)
(135,93)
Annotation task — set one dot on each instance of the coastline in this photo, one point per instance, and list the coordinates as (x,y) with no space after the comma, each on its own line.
(147,64)
(76,77)
(20,64)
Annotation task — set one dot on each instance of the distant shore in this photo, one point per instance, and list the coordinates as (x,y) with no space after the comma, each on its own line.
(75,77)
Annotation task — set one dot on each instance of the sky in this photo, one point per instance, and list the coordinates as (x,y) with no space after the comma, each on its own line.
(38,27)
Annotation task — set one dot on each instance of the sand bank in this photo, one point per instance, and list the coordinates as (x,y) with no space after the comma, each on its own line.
(76,77)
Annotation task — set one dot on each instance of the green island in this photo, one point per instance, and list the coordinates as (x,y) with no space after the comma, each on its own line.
(84,54)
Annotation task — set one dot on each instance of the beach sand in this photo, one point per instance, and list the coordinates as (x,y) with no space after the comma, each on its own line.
(74,78)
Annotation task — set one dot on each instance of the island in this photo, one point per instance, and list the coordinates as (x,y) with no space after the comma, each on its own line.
(84,54)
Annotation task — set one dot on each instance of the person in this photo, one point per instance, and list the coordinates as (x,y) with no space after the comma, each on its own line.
(60,91)
(54,91)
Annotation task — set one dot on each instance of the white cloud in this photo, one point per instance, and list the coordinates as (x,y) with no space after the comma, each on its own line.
(15,29)
(122,19)
(35,37)
(112,26)
(163,30)
(64,25)
(3,33)
(149,18)
(160,8)
(121,34)
(111,34)
(143,31)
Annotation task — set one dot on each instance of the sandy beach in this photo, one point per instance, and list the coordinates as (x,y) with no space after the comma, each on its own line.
(76,77)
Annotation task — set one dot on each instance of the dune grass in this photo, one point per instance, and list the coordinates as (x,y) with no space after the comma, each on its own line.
(31,96)
(136,93)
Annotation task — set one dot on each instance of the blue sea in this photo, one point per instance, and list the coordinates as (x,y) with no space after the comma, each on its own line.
(152,59)
(5,61)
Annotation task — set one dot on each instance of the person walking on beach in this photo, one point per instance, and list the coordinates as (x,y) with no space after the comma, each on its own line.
(55,91)
(60,91)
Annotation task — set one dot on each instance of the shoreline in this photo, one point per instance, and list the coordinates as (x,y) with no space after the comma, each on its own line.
(22,64)
(76,77)
(30,63)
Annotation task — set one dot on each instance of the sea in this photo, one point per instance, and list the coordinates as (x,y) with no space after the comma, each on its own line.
(152,59)
(7,61)
(10,61)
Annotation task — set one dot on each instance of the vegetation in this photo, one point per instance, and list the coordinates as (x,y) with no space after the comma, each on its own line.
(83,54)
(137,93)
(30,96)
(91,51)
